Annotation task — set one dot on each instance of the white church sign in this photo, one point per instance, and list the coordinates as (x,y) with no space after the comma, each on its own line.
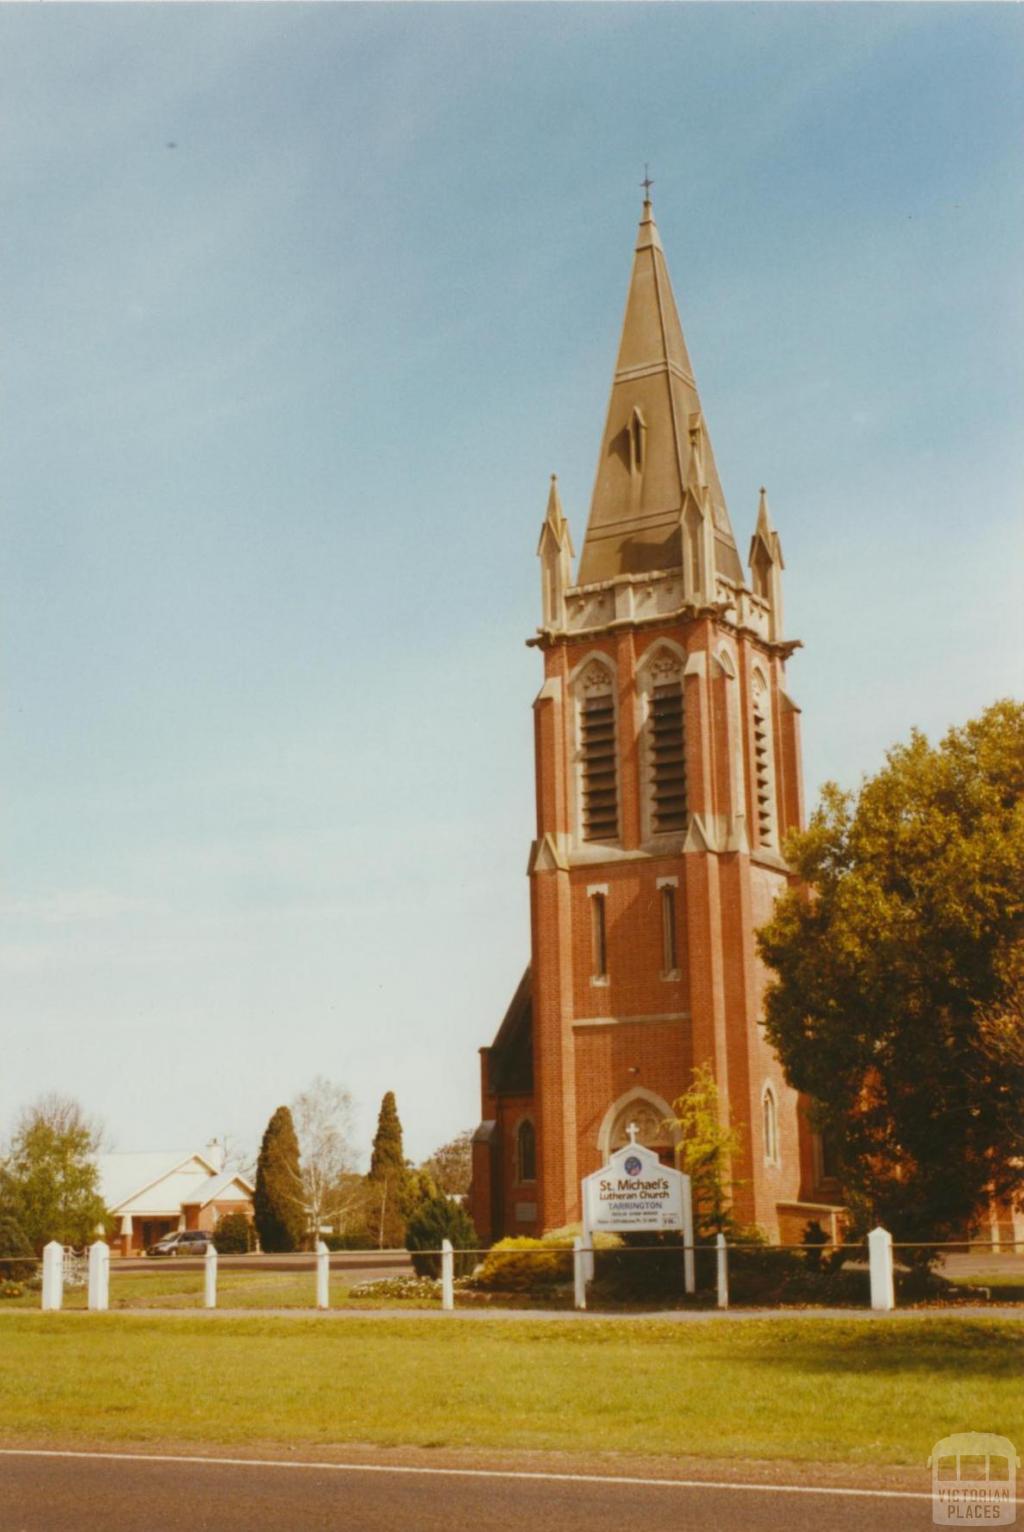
(636,1192)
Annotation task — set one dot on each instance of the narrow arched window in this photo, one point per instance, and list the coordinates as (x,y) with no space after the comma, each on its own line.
(770,1126)
(598,937)
(526,1151)
(598,755)
(669,953)
(764,762)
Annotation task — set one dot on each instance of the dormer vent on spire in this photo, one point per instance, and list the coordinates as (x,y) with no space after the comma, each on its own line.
(655,451)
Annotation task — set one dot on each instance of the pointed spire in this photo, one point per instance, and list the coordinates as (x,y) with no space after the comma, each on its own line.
(656,467)
(555,552)
(766,564)
(555,525)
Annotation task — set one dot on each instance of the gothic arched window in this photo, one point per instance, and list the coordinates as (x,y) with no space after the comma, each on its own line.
(770,1125)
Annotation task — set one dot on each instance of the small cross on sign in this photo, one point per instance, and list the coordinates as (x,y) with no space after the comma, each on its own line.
(632,1130)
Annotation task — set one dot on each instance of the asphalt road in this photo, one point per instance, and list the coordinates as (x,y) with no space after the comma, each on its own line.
(87,1494)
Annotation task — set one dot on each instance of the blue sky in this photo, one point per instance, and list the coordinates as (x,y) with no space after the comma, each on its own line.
(279,406)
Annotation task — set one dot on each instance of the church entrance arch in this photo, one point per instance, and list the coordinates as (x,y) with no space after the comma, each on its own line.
(653,1119)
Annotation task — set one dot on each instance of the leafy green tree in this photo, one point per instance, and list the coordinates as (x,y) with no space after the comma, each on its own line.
(437,1218)
(278,1198)
(233,1234)
(707,1151)
(49,1183)
(17,1258)
(897,996)
(420,1187)
(451,1166)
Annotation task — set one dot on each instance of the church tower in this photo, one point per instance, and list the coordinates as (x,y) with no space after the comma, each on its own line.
(668,773)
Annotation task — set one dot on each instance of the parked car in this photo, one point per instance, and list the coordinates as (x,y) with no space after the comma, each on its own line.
(183,1242)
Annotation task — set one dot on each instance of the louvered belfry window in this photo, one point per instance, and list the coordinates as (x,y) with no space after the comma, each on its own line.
(667,757)
(764,775)
(599,758)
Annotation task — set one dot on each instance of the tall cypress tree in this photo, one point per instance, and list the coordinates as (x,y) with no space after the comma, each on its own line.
(387,1157)
(388,1178)
(277,1201)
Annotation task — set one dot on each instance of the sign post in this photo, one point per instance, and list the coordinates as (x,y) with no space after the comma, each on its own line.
(636,1192)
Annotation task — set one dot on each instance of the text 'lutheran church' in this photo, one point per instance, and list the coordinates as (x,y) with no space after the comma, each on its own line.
(668,773)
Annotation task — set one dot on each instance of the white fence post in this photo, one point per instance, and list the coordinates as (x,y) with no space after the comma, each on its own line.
(883,1288)
(210,1277)
(323,1275)
(447,1275)
(99,1276)
(689,1273)
(53,1275)
(722,1255)
(579,1273)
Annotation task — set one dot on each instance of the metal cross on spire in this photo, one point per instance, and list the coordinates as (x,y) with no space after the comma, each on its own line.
(646,183)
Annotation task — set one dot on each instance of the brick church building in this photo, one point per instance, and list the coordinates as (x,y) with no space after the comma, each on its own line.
(667,775)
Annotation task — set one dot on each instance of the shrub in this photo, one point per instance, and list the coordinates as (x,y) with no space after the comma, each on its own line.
(17,1258)
(646,1267)
(769,1275)
(772,1275)
(602,1240)
(361,1239)
(436,1219)
(812,1239)
(520,1263)
(234,1235)
(11,1290)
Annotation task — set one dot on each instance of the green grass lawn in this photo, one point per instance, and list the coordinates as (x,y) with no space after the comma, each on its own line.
(825,1390)
(1003,1284)
(254,1289)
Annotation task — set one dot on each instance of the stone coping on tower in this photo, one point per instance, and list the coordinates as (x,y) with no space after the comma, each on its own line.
(633,600)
